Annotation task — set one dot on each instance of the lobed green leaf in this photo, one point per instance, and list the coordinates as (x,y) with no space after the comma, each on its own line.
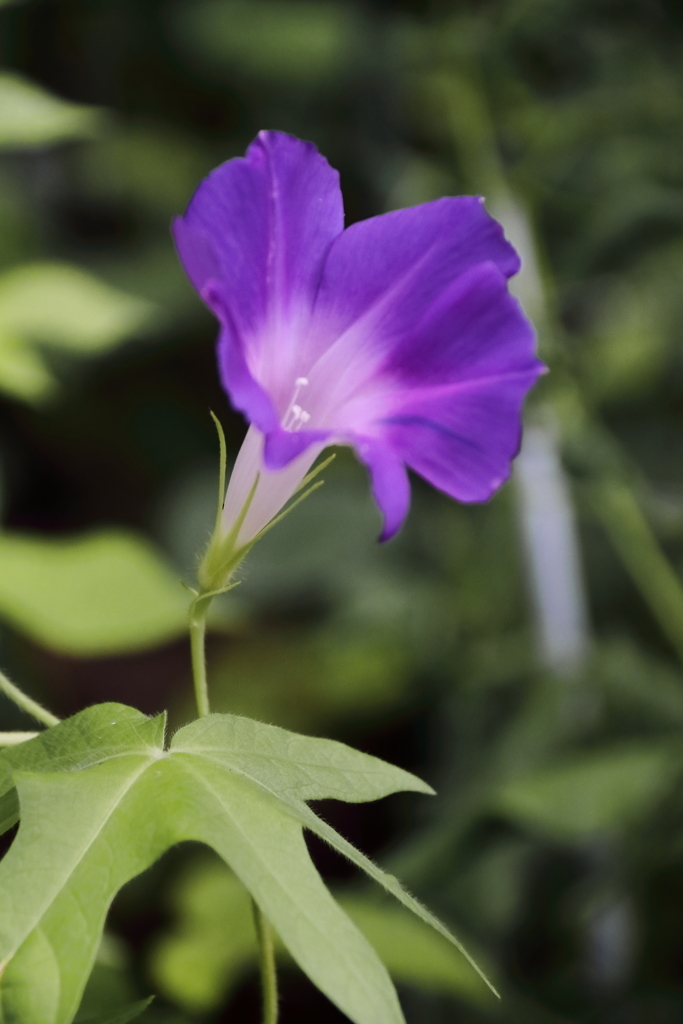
(101,799)
(212,943)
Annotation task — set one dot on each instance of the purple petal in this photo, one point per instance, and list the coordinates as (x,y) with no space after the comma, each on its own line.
(259,228)
(462,438)
(266,221)
(390,484)
(246,394)
(392,268)
(281,446)
(474,328)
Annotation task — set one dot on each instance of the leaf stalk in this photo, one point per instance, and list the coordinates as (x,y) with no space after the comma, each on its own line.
(198,612)
(264,934)
(26,703)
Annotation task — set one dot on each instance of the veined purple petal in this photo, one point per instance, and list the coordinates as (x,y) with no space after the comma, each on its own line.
(463,438)
(261,226)
(474,328)
(391,268)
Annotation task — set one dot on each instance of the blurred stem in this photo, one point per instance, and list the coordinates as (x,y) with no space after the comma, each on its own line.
(198,612)
(31,707)
(639,550)
(264,935)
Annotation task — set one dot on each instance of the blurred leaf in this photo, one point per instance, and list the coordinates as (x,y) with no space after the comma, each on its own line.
(637,327)
(491,889)
(121,1017)
(31,116)
(23,371)
(151,166)
(101,593)
(59,305)
(212,943)
(413,953)
(109,988)
(299,40)
(638,684)
(305,677)
(102,789)
(593,792)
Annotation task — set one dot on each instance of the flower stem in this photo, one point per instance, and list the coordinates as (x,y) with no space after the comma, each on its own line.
(264,935)
(31,707)
(198,612)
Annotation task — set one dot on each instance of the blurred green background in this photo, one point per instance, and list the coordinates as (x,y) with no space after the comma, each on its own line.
(525,656)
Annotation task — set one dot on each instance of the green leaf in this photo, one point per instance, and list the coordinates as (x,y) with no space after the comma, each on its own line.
(592,793)
(295,767)
(61,306)
(121,1017)
(9,802)
(101,789)
(23,371)
(102,593)
(212,943)
(31,116)
(413,953)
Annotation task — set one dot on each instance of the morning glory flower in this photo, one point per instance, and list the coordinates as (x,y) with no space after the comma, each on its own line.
(396,336)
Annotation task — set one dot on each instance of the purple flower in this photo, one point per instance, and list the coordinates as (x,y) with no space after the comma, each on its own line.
(396,336)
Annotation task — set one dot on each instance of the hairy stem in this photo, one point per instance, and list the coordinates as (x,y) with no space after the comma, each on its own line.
(31,707)
(267,964)
(198,613)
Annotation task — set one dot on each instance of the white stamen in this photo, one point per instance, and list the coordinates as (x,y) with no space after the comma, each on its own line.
(295,417)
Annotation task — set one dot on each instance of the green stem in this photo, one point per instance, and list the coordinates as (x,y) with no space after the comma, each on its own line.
(31,707)
(264,935)
(198,612)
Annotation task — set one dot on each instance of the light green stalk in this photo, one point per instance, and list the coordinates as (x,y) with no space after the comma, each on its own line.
(26,703)
(266,946)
